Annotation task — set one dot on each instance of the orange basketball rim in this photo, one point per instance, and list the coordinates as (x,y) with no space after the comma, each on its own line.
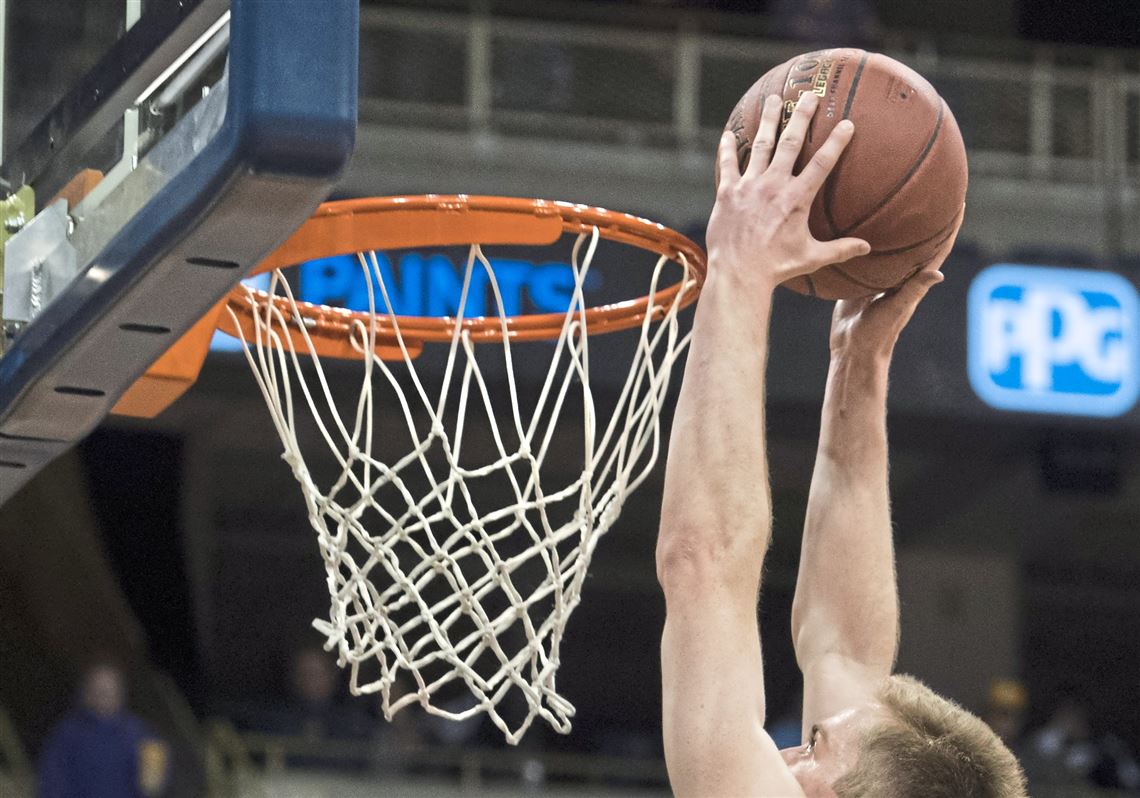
(384,223)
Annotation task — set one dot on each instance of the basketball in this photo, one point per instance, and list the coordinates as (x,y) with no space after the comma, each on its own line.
(901,183)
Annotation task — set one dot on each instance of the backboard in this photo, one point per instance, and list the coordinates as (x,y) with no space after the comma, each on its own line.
(154,151)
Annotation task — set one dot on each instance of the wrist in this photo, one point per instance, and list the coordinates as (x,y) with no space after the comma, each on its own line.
(858,377)
(738,274)
(875,358)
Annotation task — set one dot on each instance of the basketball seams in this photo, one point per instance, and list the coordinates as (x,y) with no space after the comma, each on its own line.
(829,188)
(838,269)
(855,85)
(945,234)
(903,250)
(890,196)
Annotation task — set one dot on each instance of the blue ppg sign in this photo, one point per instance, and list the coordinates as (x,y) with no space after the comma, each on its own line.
(1048,340)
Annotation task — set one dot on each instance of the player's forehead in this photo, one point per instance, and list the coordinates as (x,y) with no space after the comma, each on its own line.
(852,722)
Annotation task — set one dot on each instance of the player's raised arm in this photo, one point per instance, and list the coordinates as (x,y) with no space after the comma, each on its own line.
(845,615)
(716,511)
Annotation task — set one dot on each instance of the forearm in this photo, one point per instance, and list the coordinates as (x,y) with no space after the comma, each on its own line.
(715,527)
(716,509)
(846,601)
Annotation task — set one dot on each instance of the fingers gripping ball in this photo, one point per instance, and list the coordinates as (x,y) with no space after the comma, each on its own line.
(901,183)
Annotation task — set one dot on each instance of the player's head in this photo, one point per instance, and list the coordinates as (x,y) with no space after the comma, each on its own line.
(833,748)
(313,676)
(103,692)
(911,742)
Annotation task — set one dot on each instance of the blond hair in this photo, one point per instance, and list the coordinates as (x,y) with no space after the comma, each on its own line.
(931,748)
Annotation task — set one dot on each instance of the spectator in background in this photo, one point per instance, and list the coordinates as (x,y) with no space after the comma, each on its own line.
(100,750)
(316,710)
(313,710)
(825,23)
(1006,705)
(1066,750)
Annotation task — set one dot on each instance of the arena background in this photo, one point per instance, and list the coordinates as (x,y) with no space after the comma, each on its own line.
(179,547)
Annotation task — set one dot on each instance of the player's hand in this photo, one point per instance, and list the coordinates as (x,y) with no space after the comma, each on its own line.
(760,221)
(873,324)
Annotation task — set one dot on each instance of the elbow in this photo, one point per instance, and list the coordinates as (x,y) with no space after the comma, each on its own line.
(682,566)
(819,635)
(706,557)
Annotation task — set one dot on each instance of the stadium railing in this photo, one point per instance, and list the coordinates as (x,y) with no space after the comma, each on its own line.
(239,762)
(1049,112)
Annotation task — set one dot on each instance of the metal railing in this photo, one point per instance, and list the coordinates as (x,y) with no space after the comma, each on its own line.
(238,762)
(1029,118)
(230,770)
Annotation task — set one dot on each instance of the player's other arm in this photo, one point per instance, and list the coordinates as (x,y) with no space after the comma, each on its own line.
(845,615)
(716,511)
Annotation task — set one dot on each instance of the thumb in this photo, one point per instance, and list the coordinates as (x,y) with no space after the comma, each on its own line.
(915,287)
(907,295)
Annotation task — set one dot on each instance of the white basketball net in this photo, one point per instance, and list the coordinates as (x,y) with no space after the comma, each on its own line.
(437,586)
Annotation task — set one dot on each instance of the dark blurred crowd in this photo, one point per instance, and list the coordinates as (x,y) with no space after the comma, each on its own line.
(1069,749)
(315,707)
(100,749)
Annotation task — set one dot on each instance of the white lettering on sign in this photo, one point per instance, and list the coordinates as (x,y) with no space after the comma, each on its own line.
(1054,340)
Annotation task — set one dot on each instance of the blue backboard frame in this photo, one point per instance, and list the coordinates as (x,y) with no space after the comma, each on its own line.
(288,132)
